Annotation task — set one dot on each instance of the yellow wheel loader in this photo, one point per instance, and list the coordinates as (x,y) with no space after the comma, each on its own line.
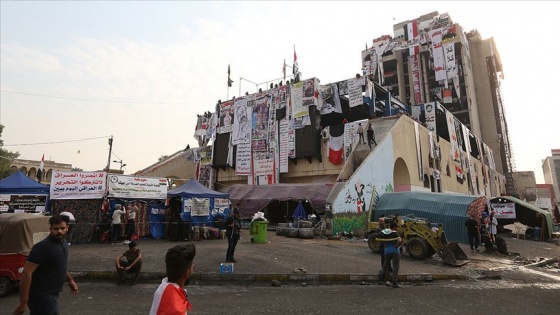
(420,238)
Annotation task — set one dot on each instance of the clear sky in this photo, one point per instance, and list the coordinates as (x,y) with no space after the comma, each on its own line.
(141,71)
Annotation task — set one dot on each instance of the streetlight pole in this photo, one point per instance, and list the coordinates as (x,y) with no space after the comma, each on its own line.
(121,163)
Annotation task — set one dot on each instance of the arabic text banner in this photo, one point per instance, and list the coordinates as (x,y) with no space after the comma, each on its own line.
(122,186)
(77,185)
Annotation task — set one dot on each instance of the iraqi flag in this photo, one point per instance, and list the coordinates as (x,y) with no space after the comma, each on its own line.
(295,68)
(411,33)
(336,144)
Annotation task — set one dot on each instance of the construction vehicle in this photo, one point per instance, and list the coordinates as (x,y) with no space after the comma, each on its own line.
(421,239)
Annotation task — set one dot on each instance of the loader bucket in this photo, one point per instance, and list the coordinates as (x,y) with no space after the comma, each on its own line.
(452,254)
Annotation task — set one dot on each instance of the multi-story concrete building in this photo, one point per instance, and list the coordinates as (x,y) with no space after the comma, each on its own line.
(441,62)
(551,170)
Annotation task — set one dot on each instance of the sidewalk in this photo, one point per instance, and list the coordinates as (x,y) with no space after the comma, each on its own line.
(317,260)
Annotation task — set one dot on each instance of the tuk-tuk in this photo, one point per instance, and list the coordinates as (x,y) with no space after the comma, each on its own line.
(18,233)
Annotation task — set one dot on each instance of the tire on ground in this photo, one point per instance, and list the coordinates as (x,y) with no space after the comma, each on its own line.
(373,243)
(417,248)
(6,286)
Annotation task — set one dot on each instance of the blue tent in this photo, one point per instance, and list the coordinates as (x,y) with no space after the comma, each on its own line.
(19,184)
(193,189)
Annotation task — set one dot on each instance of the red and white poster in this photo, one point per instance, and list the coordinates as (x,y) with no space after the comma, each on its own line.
(439,59)
(504,210)
(78,185)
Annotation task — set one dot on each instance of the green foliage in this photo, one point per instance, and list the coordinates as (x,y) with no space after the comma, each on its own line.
(77,169)
(163,158)
(6,158)
(348,222)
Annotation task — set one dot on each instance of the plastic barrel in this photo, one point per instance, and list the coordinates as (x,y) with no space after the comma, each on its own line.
(537,234)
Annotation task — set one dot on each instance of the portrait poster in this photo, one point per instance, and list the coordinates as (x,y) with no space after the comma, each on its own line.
(226,117)
(200,207)
(242,122)
(206,155)
(260,124)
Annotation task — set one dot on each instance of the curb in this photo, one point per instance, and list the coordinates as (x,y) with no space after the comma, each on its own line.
(232,278)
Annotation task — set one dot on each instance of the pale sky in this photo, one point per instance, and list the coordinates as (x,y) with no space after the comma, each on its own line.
(142,71)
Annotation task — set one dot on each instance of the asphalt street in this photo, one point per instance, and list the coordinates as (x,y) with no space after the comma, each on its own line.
(445,297)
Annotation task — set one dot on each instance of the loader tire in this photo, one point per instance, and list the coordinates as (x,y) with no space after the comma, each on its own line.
(417,248)
(373,243)
(6,286)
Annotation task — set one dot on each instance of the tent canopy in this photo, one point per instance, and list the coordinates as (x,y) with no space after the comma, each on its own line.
(192,188)
(19,184)
(255,198)
(527,214)
(447,209)
(17,230)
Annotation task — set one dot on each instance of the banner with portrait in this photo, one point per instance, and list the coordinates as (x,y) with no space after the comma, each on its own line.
(226,117)
(259,130)
(242,122)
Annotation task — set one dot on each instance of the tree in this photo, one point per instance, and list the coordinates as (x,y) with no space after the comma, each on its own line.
(77,169)
(6,158)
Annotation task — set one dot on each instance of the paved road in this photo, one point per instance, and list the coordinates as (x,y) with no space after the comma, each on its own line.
(444,297)
(345,259)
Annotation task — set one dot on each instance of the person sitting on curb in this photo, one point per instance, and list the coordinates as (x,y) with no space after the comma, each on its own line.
(132,264)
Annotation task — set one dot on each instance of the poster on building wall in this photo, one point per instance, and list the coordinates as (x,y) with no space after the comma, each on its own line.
(455,153)
(243,160)
(200,207)
(242,122)
(283,145)
(450,62)
(123,186)
(437,52)
(226,117)
(77,185)
(205,175)
(259,138)
(200,129)
(369,61)
(430,115)
(291,143)
(418,151)
(355,97)
(206,155)
(263,163)
(309,88)
(504,210)
(447,96)
(416,79)
(298,110)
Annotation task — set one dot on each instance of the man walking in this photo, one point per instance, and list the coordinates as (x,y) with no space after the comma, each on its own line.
(170,297)
(233,229)
(45,271)
(370,136)
(361,134)
(379,229)
(472,233)
(392,241)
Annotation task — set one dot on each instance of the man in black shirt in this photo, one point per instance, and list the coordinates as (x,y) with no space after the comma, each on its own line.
(472,232)
(233,229)
(45,271)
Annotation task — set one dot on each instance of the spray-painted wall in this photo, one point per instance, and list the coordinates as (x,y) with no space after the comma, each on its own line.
(364,188)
